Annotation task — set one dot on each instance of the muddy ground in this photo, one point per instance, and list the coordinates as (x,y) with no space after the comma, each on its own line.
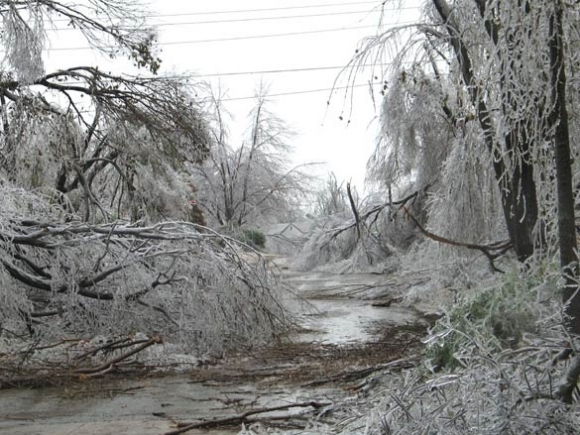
(301,364)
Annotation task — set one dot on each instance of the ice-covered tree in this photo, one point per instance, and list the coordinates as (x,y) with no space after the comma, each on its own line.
(251,182)
(114,171)
(69,130)
(331,198)
(498,73)
(92,165)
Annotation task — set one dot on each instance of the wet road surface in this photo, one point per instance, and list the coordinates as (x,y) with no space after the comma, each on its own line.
(332,326)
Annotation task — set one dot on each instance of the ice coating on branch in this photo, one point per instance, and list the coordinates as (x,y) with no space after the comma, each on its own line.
(23,39)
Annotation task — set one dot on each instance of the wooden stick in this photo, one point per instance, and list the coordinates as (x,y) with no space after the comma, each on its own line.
(106,365)
(241,418)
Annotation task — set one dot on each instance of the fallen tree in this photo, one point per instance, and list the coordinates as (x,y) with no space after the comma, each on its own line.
(178,280)
(93,165)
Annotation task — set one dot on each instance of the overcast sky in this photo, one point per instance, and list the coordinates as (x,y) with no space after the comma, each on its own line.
(306,42)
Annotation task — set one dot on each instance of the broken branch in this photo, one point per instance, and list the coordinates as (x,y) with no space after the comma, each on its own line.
(242,418)
(107,365)
(491,251)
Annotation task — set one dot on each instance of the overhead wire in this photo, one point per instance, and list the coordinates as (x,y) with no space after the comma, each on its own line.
(195,76)
(292,93)
(247,37)
(279,71)
(239,20)
(250,37)
(306,91)
(285,94)
(377,3)
(240,11)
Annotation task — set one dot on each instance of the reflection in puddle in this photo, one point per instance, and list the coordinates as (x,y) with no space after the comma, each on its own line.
(340,321)
(330,319)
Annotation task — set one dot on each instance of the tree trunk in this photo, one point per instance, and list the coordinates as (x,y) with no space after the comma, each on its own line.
(565,194)
(518,189)
(519,200)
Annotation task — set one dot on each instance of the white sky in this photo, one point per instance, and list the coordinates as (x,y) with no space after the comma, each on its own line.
(223,41)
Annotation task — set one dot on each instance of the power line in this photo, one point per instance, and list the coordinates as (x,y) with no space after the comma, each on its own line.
(280,17)
(238,38)
(238,20)
(255,72)
(243,11)
(290,93)
(283,71)
(308,91)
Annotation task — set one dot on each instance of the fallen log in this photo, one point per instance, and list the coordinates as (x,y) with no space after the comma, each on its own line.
(236,420)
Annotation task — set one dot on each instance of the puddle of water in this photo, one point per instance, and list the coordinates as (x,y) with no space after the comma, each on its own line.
(340,321)
(347,321)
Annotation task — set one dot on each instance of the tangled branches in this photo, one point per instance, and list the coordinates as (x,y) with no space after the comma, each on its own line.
(371,235)
(513,391)
(175,279)
(500,361)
